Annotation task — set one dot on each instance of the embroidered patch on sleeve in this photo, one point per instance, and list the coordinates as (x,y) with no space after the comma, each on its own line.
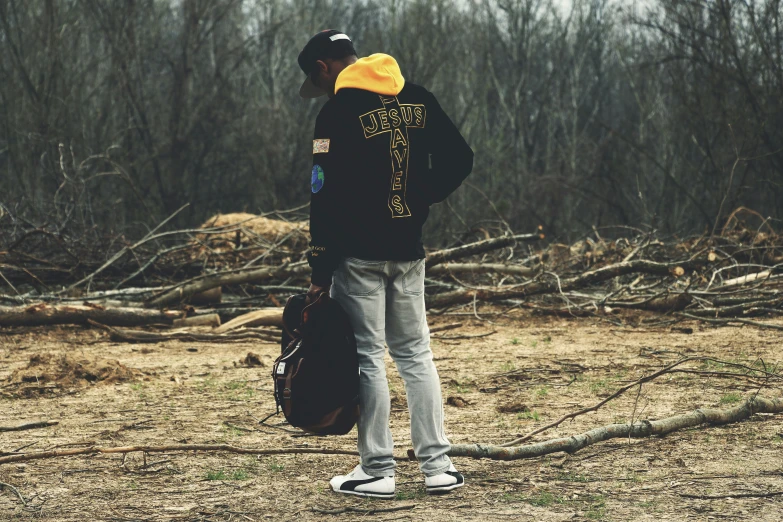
(317,181)
(320,146)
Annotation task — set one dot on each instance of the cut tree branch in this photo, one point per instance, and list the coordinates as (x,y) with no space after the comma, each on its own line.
(254,275)
(480,268)
(672,368)
(636,430)
(478,247)
(639,266)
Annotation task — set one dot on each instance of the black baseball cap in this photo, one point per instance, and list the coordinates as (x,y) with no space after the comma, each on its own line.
(326,44)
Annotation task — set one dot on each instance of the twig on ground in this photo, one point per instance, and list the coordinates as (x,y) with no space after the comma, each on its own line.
(444,327)
(15,491)
(29,426)
(94,450)
(371,511)
(733,495)
(470,336)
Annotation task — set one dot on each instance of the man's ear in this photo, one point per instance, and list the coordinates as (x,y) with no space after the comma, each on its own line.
(322,66)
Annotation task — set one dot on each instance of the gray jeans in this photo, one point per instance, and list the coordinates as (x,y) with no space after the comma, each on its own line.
(385,302)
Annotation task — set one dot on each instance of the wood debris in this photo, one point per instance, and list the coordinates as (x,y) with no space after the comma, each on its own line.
(238,265)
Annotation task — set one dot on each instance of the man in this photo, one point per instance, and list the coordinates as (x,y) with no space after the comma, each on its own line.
(383,152)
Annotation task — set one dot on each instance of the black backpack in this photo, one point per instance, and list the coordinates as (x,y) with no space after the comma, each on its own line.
(317,375)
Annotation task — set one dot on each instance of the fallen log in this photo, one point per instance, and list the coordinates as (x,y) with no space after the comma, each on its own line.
(637,430)
(198,320)
(141,336)
(208,297)
(49,314)
(227,314)
(247,322)
(639,266)
(236,277)
(263,317)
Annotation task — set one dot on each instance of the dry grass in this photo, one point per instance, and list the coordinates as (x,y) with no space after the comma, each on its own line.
(253,229)
(532,369)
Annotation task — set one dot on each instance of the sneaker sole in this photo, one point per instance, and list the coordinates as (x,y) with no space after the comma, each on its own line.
(443,489)
(386,496)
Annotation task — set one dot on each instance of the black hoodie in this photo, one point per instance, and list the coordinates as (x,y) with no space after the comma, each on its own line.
(383,152)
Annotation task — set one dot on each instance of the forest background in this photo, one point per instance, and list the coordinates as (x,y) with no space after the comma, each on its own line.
(666,114)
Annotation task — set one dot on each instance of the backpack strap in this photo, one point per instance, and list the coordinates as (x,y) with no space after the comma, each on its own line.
(304,324)
(286,395)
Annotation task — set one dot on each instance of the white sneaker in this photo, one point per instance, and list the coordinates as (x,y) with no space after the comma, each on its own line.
(357,482)
(444,482)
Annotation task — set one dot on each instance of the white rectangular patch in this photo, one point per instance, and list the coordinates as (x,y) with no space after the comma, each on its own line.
(339,37)
(281,368)
(320,146)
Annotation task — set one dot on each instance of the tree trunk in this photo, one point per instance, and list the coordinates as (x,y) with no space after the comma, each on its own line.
(47,314)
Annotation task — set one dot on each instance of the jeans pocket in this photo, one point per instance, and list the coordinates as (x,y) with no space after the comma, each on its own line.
(363,278)
(413,280)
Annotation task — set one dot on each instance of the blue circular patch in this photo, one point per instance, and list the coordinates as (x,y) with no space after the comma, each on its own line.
(317,181)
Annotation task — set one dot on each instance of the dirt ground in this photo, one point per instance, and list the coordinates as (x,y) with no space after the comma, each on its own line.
(539,368)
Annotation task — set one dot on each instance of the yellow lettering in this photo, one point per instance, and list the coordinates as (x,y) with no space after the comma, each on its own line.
(398,139)
(395,118)
(419,115)
(397,184)
(371,125)
(397,204)
(384,120)
(399,156)
(407,114)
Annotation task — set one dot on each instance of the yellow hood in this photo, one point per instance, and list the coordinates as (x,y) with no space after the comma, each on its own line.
(378,73)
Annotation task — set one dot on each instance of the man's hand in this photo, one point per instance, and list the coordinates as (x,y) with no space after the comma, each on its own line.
(314,291)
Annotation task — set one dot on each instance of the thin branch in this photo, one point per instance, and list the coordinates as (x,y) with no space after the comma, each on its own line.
(15,491)
(351,509)
(29,426)
(642,429)
(647,378)
(94,450)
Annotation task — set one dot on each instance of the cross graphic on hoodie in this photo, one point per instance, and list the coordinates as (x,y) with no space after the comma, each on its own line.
(351,175)
(396,119)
